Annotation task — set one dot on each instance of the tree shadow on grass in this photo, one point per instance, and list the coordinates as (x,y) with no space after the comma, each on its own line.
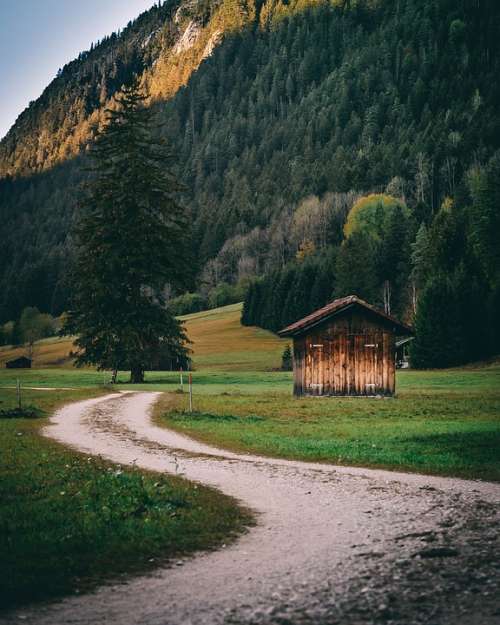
(477,452)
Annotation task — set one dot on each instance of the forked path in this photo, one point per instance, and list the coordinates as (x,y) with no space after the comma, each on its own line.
(331,545)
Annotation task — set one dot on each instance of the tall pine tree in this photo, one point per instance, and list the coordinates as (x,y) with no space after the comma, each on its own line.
(131,242)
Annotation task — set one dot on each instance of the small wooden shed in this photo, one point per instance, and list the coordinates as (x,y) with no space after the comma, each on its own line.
(345,348)
(19,363)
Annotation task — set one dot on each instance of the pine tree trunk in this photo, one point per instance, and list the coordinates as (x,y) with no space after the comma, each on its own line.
(387,297)
(136,374)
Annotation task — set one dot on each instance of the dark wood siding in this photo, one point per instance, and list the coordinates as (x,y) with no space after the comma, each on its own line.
(351,355)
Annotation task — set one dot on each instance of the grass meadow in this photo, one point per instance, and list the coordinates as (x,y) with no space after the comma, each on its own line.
(445,423)
(440,422)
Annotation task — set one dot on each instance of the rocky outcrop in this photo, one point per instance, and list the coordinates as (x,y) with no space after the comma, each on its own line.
(213,42)
(188,38)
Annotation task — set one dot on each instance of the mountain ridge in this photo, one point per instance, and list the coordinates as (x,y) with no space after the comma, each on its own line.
(163,46)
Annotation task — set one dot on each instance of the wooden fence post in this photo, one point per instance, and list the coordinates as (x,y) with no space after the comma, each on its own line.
(190,393)
(18,393)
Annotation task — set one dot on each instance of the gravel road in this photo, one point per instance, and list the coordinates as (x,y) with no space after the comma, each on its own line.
(332,545)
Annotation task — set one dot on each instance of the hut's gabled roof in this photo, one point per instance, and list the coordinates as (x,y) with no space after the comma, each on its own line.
(337,307)
(19,359)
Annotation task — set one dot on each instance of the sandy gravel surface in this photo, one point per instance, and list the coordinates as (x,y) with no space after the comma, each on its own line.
(332,545)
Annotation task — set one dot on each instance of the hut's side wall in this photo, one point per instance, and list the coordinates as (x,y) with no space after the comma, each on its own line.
(299,355)
(351,355)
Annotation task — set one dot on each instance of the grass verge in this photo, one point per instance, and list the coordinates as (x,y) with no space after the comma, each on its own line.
(441,422)
(69,521)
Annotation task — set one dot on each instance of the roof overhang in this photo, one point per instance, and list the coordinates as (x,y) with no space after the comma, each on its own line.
(339,307)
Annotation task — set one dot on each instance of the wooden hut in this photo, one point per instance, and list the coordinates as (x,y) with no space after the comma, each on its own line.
(19,363)
(345,348)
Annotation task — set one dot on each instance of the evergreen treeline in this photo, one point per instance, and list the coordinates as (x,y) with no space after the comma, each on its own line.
(443,277)
(301,107)
(287,294)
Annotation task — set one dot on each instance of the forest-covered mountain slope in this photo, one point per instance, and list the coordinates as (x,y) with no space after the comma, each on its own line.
(281,115)
(163,46)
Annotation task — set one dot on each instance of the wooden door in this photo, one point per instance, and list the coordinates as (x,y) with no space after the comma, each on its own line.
(373,356)
(315,367)
(365,364)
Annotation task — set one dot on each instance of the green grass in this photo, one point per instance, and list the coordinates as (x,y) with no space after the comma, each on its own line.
(71,378)
(206,381)
(444,422)
(441,422)
(68,521)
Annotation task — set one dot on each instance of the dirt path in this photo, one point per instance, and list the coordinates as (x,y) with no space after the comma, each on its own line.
(332,545)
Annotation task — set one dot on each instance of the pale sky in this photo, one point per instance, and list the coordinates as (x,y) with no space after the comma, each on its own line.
(37,37)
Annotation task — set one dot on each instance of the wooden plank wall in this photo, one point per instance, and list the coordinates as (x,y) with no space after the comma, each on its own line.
(350,356)
(299,366)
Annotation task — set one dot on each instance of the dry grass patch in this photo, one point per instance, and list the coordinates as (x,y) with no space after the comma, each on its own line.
(220,341)
(51,352)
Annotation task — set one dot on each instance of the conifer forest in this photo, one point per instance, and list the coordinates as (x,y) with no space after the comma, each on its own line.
(324,148)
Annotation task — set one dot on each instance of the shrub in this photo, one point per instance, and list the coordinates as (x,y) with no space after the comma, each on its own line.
(224,294)
(25,412)
(286,359)
(187,303)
